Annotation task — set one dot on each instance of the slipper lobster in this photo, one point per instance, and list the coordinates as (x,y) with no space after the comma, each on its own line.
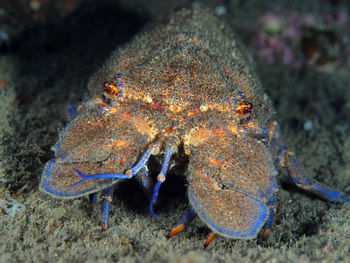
(184,89)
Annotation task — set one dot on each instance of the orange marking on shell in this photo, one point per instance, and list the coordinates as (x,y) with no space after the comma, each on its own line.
(175,108)
(109,162)
(216,162)
(120,143)
(199,136)
(196,111)
(112,110)
(127,115)
(220,133)
(156,104)
(210,180)
(142,126)
(170,129)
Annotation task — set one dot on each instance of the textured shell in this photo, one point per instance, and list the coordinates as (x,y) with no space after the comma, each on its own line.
(185,82)
(192,66)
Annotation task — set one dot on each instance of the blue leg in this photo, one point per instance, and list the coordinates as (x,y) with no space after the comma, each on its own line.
(129,174)
(107,196)
(269,221)
(187,218)
(285,159)
(145,180)
(93,199)
(161,177)
(301,181)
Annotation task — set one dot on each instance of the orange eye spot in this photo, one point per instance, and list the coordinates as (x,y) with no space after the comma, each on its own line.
(110,90)
(244,109)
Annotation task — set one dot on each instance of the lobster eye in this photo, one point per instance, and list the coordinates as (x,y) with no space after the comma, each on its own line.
(110,90)
(244,110)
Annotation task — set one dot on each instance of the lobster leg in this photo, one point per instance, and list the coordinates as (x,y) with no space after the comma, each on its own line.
(285,159)
(161,178)
(187,218)
(107,196)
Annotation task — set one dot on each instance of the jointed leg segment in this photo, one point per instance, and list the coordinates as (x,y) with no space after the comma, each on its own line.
(140,170)
(285,159)
(129,174)
(161,178)
(187,218)
(107,197)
